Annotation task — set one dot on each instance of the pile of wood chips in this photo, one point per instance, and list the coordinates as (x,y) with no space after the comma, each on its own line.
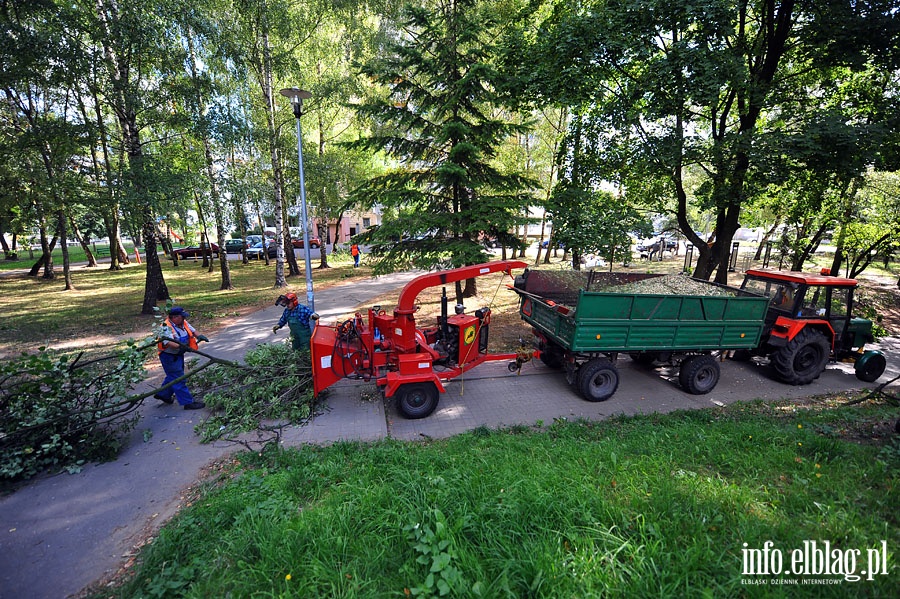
(671,285)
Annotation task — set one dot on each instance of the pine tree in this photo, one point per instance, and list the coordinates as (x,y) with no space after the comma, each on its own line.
(438,126)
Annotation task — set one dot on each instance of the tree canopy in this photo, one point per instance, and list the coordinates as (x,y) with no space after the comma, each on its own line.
(452,119)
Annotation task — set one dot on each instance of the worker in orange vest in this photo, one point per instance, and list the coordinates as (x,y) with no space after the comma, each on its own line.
(354,251)
(178,339)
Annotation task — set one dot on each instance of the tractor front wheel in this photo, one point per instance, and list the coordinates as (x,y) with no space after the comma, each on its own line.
(803,359)
(417,400)
(699,375)
(597,379)
(870,366)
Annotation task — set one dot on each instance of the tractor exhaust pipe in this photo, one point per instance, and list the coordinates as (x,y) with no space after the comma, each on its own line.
(445,330)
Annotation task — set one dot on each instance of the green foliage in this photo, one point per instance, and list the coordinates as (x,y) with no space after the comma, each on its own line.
(645,506)
(59,412)
(435,546)
(593,222)
(275,383)
(740,93)
(439,124)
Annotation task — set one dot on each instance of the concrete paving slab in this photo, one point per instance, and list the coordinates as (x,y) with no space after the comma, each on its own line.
(351,412)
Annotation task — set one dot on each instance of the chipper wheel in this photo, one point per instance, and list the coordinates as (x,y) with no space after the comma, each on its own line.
(699,375)
(417,400)
(803,359)
(597,379)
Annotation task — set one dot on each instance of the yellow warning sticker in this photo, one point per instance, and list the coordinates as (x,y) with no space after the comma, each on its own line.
(469,335)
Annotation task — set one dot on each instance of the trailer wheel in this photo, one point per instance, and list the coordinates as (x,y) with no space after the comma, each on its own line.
(417,400)
(699,375)
(803,359)
(597,380)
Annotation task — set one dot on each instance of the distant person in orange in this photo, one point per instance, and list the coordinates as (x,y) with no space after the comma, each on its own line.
(355,252)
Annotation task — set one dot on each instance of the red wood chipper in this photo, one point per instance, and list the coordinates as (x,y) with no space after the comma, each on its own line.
(407,362)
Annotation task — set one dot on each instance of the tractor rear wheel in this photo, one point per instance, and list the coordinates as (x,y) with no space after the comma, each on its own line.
(699,375)
(803,359)
(417,400)
(597,379)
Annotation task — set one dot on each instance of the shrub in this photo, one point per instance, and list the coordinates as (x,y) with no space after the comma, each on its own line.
(58,412)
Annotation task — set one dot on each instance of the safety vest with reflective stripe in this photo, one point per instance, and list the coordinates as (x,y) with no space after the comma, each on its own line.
(191,337)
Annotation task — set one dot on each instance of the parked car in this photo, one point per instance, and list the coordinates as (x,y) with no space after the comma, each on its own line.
(195,251)
(647,245)
(297,242)
(234,246)
(255,252)
(546,242)
(253,239)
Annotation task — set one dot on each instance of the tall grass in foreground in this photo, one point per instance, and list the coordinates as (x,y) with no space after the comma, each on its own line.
(651,506)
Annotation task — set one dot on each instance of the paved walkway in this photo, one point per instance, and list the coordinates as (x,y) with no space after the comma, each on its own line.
(62,533)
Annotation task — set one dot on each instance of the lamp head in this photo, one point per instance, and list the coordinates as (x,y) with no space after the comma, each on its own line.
(296,96)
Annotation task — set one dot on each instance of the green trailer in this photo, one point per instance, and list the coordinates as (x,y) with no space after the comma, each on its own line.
(583,321)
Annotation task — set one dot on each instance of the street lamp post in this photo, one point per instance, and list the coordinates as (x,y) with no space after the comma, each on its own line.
(297,96)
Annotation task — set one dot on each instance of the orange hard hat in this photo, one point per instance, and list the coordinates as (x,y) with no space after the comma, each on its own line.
(288,299)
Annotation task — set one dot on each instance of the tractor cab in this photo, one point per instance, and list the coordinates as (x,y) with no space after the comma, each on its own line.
(813,307)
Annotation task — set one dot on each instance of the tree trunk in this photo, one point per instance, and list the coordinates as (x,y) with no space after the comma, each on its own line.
(322,234)
(204,236)
(293,268)
(46,250)
(323,206)
(266,77)
(111,216)
(92,261)
(242,219)
(121,254)
(64,246)
(122,103)
(8,253)
(766,236)
(262,231)
(213,184)
(36,267)
(223,255)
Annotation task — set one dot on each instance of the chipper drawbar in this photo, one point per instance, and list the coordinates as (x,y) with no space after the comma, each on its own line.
(405,361)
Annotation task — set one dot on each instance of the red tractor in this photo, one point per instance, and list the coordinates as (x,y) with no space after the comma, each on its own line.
(405,361)
(809,321)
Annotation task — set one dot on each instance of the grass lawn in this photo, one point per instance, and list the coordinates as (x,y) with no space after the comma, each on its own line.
(27,259)
(106,304)
(649,506)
